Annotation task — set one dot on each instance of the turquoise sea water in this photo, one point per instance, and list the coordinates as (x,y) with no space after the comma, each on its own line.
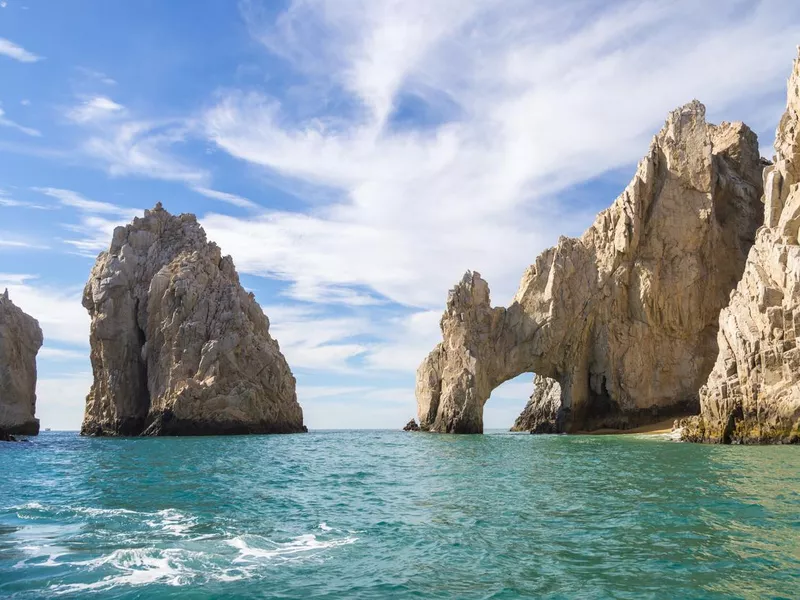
(381,514)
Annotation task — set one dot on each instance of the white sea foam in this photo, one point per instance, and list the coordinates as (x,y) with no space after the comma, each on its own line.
(142,566)
(36,552)
(256,548)
(173,556)
(171,521)
(168,520)
(213,560)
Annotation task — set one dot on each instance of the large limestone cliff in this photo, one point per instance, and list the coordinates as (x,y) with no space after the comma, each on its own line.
(753,392)
(20,340)
(625,317)
(178,347)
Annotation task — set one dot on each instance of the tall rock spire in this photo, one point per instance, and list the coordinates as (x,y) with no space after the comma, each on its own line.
(178,347)
(753,392)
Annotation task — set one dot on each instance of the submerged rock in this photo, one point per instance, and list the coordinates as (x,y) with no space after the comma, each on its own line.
(753,392)
(178,347)
(625,317)
(411,426)
(20,340)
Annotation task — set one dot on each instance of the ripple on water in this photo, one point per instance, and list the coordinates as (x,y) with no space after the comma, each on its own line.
(391,515)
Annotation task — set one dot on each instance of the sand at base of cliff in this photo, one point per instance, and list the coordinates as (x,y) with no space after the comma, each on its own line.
(654,428)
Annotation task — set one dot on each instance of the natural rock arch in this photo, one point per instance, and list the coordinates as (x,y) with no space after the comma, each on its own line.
(624,318)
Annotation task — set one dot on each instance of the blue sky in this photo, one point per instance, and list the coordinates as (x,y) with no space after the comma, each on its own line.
(354,157)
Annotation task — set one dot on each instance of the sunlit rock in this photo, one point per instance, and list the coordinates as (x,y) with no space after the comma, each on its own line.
(623,319)
(20,340)
(178,347)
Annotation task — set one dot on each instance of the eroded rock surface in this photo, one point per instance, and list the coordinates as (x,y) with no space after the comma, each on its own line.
(178,347)
(543,413)
(753,392)
(623,318)
(20,340)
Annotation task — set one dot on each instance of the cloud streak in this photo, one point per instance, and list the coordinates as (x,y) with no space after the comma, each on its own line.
(12,50)
(6,122)
(461,151)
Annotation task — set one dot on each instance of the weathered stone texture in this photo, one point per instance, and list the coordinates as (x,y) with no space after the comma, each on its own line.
(20,340)
(178,347)
(623,318)
(753,392)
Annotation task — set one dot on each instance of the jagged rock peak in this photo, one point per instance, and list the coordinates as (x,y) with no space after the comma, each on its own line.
(624,318)
(178,347)
(752,395)
(20,340)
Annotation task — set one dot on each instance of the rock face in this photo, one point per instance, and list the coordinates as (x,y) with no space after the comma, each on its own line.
(177,346)
(625,317)
(753,392)
(543,413)
(20,340)
(411,426)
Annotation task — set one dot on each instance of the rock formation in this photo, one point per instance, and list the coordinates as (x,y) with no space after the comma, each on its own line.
(543,412)
(623,318)
(20,340)
(753,392)
(178,347)
(411,426)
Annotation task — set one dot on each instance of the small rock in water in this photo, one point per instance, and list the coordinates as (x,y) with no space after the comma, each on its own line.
(411,426)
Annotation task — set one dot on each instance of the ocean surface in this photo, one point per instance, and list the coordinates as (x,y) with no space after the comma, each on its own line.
(383,514)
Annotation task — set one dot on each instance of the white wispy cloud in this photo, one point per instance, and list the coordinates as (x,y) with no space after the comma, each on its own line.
(6,122)
(96,220)
(12,50)
(14,241)
(94,75)
(58,309)
(232,199)
(142,148)
(310,339)
(7,201)
(75,200)
(526,101)
(96,108)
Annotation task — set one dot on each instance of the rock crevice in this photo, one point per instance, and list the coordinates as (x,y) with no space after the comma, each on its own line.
(178,347)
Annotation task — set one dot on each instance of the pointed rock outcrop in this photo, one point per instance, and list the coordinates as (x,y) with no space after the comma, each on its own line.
(411,426)
(753,392)
(543,413)
(178,347)
(623,319)
(20,340)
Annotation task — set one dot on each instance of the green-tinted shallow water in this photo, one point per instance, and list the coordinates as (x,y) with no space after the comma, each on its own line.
(394,515)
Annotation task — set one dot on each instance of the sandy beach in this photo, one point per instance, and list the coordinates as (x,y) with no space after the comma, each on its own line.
(654,428)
